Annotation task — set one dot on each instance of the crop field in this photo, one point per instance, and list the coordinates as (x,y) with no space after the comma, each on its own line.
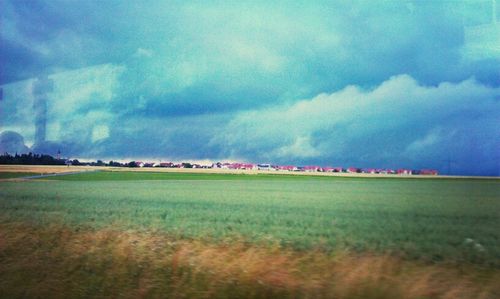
(292,233)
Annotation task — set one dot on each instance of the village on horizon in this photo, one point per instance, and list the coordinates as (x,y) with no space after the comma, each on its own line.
(39,159)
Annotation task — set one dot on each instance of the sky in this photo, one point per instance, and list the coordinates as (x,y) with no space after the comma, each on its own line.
(382,84)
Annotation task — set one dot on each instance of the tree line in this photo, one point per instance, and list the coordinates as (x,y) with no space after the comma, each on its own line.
(30,159)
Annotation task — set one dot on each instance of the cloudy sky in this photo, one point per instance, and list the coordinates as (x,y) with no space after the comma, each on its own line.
(382,84)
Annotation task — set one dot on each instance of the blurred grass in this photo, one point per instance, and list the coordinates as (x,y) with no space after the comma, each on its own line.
(146,235)
(59,261)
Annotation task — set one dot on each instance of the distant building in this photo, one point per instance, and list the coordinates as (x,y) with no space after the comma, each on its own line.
(428,172)
(338,169)
(404,171)
(288,168)
(353,170)
(264,167)
(248,166)
(312,168)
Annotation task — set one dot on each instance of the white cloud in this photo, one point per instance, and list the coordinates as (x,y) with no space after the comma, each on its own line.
(100,132)
(425,143)
(300,148)
(142,52)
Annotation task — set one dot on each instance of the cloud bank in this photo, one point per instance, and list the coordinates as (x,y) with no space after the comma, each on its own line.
(398,123)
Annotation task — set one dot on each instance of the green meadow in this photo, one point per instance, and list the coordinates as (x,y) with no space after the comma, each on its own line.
(436,220)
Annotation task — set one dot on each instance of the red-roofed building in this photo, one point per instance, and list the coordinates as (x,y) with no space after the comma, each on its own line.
(403,171)
(248,166)
(429,172)
(353,170)
(312,168)
(287,167)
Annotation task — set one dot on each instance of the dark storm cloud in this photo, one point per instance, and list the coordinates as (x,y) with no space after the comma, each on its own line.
(176,79)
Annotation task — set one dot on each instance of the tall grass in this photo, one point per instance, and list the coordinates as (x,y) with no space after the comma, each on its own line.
(58,261)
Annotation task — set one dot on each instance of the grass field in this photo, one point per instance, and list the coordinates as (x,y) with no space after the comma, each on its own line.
(416,229)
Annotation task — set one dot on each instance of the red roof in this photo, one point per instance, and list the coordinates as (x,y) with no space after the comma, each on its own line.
(311,167)
(429,171)
(286,167)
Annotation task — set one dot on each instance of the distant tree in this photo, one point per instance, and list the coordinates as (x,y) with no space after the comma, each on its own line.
(132,164)
(114,164)
(30,159)
(187,165)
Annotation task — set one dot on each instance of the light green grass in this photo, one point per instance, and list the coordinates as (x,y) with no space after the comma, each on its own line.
(427,219)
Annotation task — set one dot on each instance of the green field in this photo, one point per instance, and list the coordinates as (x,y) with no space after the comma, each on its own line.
(427,219)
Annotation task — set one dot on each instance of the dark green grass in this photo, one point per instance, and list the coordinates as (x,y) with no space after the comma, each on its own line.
(11,175)
(424,219)
(152,175)
(147,176)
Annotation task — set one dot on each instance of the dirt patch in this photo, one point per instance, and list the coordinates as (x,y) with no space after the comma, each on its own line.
(43,169)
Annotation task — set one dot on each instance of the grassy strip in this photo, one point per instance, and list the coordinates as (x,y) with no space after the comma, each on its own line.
(67,262)
(145,176)
(12,175)
(134,175)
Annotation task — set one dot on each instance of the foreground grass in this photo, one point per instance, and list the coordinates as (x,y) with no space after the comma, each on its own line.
(58,261)
(177,235)
(431,220)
